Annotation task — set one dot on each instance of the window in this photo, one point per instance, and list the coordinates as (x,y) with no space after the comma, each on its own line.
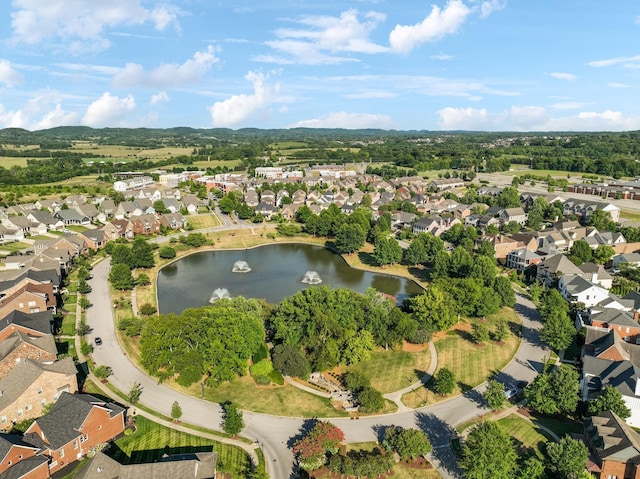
(39,390)
(32,304)
(3,419)
(75,444)
(20,412)
(83,438)
(28,407)
(21,305)
(61,453)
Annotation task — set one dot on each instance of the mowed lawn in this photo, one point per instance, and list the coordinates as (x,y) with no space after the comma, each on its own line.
(394,369)
(206,220)
(471,363)
(151,441)
(526,436)
(282,400)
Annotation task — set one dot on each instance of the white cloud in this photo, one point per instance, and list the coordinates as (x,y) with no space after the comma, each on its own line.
(237,109)
(627,62)
(82,23)
(371,94)
(534,118)
(109,110)
(159,97)
(568,105)
(490,6)
(441,56)
(167,75)
(564,76)
(43,110)
(9,75)
(322,36)
(618,85)
(346,120)
(440,22)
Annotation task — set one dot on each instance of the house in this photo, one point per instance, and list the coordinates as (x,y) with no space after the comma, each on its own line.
(8,234)
(144,206)
(502,244)
(15,454)
(46,218)
(401,219)
(629,259)
(20,346)
(145,225)
(30,385)
(28,297)
(191,203)
(521,258)
(596,274)
(88,210)
(614,447)
(72,217)
(445,184)
(199,465)
(516,215)
(174,221)
(33,325)
(117,229)
(133,183)
(621,322)
(75,424)
(107,210)
(95,239)
(266,209)
(126,209)
(25,225)
(436,225)
(268,196)
(554,267)
(575,289)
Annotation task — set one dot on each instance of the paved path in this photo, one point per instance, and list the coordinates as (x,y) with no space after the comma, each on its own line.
(275,434)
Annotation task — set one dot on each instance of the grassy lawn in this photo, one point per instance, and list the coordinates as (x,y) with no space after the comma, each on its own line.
(527,436)
(206,220)
(630,215)
(472,364)
(394,369)
(8,248)
(151,441)
(559,425)
(10,161)
(66,346)
(68,327)
(77,228)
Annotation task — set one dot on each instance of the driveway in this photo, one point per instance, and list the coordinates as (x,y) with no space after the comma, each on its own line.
(275,434)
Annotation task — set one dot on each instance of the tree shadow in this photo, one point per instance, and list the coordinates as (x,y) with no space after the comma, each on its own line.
(379,430)
(473,395)
(154,455)
(465,335)
(367,259)
(419,273)
(306,426)
(440,434)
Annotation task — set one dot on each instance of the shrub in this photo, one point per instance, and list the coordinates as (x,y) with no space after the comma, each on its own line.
(147,309)
(131,326)
(262,380)
(262,368)
(102,372)
(420,336)
(167,252)
(276,377)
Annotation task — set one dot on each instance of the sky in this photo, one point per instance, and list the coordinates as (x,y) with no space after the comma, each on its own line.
(489,65)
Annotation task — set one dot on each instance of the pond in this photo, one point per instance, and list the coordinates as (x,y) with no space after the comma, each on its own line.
(272,272)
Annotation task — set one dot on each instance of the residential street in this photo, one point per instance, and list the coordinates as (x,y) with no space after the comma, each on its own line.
(274,434)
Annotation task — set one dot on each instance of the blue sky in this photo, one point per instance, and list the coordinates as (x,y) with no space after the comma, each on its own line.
(517,65)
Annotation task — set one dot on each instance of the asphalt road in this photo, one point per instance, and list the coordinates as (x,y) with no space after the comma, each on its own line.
(276,434)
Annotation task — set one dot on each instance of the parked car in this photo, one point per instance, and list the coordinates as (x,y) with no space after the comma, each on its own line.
(98,341)
(510,393)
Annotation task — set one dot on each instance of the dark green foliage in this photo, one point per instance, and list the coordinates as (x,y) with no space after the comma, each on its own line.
(370,400)
(147,309)
(83,287)
(167,252)
(488,453)
(433,310)
(121,254)
(444,382)
(408,443)
(217,340)
(83,273)
(504,290)
(479,333)
(502,331)
(566,459)
(289,229)
(387,251)
(102,372)
(120,277)
(142,254)
(194,240)
(609,399)
(176,411)
(133,396)
(262,353)
(494,394)
(580,252)
(355,381)
(554,392)
(143,280)
(350,238)
(290,361)
(131,326)
(232,420)
(83,329)
(361,463)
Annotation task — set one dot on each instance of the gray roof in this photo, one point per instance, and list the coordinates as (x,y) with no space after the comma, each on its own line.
(7,441)
(96,235)
(559,263)
(576,284)
(615,317)
(70,215)
(45,343)
(613,438)
(40,322)
(62,424)
(24,467)
(21,377)
(200,465)
(622,375)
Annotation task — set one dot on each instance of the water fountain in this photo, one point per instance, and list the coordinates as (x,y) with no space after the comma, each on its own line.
(219,293)
(240,267)
(311,277)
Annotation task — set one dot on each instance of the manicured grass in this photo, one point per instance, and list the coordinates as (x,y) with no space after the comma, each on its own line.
(206,220)
(526,435)
(285,400)
(630,215)
(402,471)
(472,364)
(66,346)
(68,327)
(151,441)
(561,426)
(10,161)
(394,369)
(77,228)
(8,248)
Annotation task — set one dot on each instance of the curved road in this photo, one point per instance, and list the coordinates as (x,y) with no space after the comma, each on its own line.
(275,434)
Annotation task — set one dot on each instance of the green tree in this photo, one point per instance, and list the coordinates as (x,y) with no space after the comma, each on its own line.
(387,251)
(312,449)
(601,220)
(554,392)
(232,420)
(167,252)
(176,411)
(355,381)
(504,290)
(83,287)
(609,399)
(143,279)
(159,207)
(580,252)
(408,443)
(358,347)
(416,253)
(83,273)
(488,453)
(120,277)
(102,372)
(494,394)
(558,330)
(134,393)
(370,400)
(350,238)
(290,361)
(531,468)
(486,249)
(83,329)
(567,458)
(433,310)
(444,382)
(508,198)
(479,333)
(502,330)
(147,309)
(603,254)
(142,254)
(84,303)
(121,254)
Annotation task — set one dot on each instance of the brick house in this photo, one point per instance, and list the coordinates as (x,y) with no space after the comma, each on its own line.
(20,346)
(29,298)
(95,239)
(614,447)
(75,424)
(31,385)
(36,324)
(15,454)
(145,225)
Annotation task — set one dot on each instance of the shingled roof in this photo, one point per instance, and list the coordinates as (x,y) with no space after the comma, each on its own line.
(37,322)
(612,438)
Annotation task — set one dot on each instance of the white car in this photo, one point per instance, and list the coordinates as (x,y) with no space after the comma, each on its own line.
(510,393)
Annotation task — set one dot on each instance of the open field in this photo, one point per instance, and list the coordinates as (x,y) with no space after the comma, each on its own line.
(206,220)
(11,161)
(394,369)
(471,363)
